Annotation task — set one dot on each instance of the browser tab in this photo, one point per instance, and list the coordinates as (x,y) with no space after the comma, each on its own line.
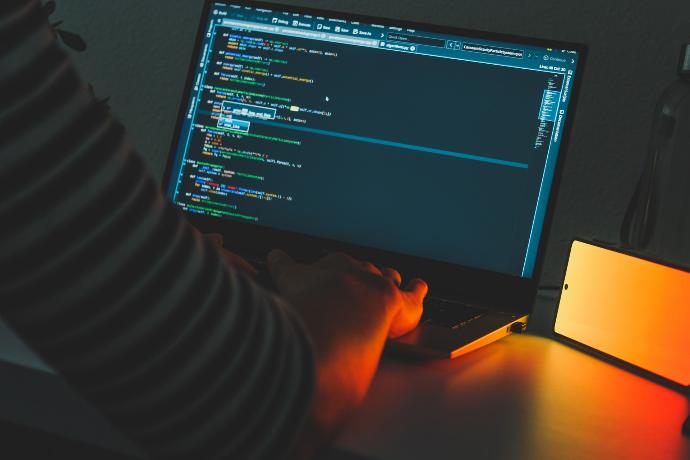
(494,50)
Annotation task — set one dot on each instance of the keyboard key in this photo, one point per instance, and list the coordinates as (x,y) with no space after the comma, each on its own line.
(449,314)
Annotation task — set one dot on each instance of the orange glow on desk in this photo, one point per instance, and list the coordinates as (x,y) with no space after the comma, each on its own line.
(588,409)
(521,398)
(630,308)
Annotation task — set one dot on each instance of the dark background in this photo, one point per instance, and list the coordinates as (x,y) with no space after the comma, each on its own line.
(139,55)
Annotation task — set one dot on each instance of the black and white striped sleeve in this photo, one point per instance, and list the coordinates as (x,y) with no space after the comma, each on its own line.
(107,282)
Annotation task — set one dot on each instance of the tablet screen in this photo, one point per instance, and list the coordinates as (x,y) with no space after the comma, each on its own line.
(632,309)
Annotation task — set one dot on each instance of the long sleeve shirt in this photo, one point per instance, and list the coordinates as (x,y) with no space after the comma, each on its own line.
(109,284)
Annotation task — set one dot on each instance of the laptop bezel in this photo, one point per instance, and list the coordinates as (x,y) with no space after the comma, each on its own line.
(492,289)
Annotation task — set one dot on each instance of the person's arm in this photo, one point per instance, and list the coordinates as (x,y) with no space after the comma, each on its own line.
(104,279)
(350,308)
(144,316)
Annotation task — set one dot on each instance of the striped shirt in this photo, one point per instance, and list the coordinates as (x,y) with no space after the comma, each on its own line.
(103,278)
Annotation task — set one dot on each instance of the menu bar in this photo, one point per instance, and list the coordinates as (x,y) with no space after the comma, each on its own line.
(394,38)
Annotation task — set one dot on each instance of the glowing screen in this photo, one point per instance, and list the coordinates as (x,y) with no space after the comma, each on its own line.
(434,145)
(629,308)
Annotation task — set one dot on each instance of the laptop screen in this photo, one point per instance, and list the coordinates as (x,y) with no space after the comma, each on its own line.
(396,138)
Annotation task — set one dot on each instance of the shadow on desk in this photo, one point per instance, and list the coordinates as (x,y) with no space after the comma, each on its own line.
(342,455)
(38,410)
(23,443)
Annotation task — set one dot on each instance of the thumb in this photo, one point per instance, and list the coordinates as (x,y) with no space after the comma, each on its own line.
(417,289)
(412,308)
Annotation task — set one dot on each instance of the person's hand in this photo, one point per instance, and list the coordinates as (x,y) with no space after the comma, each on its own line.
(349,308)
(374,291)
(231,258)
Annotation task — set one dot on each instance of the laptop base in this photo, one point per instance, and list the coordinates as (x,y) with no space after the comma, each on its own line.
(437,342)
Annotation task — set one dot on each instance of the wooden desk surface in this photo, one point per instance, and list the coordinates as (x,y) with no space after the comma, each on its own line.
(524,397)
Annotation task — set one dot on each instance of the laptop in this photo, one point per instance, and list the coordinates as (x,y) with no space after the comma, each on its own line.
(433,150)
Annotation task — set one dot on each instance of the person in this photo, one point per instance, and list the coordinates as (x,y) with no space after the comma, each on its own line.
(164,332)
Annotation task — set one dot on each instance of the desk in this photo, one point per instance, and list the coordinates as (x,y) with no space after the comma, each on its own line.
(524,397)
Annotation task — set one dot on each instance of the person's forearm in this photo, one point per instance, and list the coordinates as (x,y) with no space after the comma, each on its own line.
(105,280)
(349,308)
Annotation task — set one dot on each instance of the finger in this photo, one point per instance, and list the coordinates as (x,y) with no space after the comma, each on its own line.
(412,308)
(239,263)
(344,262)
(338,260)
(278,262)
(417,288)
(216,239)
(392,275)
(369,267)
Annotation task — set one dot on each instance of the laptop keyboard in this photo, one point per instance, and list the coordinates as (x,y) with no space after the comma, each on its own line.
(449,314)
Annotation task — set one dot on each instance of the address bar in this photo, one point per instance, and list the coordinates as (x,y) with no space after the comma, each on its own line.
(292,32)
